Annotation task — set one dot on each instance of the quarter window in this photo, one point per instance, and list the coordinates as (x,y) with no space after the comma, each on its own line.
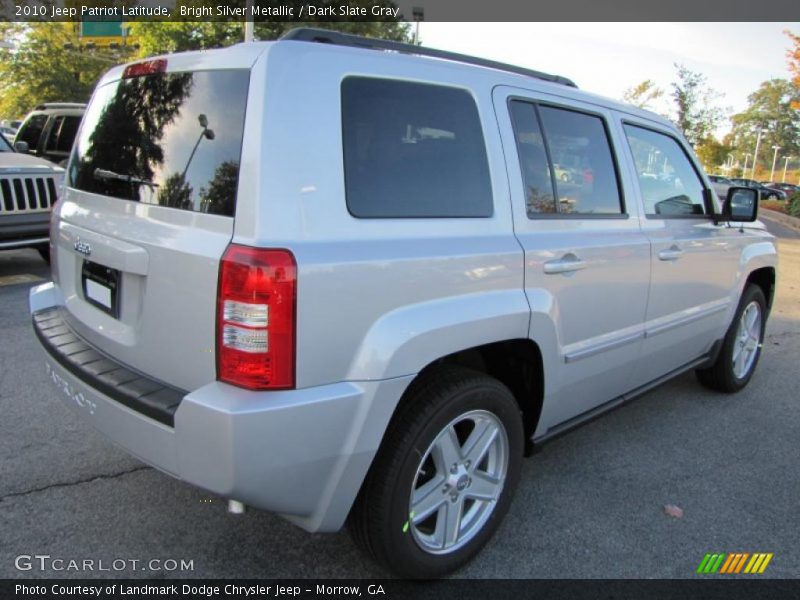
(566,161)
(62,134)
(669,184)
(586,180)
(413,150)
(537,179)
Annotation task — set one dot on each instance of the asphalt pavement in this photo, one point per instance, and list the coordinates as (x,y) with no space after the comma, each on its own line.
(589,505)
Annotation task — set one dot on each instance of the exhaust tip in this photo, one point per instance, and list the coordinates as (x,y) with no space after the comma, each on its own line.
(235,507)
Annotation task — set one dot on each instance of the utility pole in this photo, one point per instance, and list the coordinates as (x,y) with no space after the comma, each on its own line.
(248,21)
(755,154)
(744,169)
(786,160)
(418,14)
(774,160)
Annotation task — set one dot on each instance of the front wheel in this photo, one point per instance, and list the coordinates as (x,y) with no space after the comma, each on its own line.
(741,348)
(444,477)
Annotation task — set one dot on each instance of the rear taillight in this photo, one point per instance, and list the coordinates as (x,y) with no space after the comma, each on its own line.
(147,67)
(256,318)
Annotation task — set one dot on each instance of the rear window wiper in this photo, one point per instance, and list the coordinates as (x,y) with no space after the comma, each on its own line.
(105,174)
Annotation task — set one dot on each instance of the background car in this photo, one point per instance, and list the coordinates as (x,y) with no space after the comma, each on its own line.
(28,189)
(49,130)
(767,193)
(9,128)
(720,185)
(786,188)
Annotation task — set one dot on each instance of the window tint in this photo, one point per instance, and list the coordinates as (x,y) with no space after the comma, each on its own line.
(413,150)
(31,131)
(62,134)
(172,139)
(669,183)
(586,180)
(539,196)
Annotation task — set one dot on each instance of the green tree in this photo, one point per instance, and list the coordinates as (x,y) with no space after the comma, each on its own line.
(642,94)
(220,195)
(769,109)
(793,58)
(695,113)
(44,65)
(713,154)
(163,37)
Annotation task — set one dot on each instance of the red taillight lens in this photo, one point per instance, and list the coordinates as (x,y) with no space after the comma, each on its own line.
(256,318)
(148,67)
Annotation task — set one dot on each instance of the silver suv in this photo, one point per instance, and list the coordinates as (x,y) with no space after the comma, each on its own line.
(28,190)
(343,281)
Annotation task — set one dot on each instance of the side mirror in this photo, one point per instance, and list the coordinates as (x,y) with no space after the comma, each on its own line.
(741,204)
(21,147)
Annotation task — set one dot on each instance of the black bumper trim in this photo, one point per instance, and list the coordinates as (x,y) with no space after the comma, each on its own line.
(98,371)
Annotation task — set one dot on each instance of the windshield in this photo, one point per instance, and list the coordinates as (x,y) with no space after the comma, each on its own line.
(171,139)
(4,145)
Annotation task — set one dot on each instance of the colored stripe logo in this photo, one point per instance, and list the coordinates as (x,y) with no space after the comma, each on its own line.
(734,562)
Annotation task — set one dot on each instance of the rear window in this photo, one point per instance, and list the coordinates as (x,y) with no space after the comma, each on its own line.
(413,150)
(63,134)
(171,139)
(31,131)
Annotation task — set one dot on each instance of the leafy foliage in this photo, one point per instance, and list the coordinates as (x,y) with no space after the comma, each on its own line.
(643,94)
(793,205)
(695,114)
(793,58)
(163,37)
(770,109)
(41,69)
(712,153)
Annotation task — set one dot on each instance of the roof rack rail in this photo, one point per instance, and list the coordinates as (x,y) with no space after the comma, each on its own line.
(326,36)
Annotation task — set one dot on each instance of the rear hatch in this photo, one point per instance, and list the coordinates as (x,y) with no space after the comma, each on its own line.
(148,211)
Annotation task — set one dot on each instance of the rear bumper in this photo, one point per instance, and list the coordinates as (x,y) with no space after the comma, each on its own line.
(300,453)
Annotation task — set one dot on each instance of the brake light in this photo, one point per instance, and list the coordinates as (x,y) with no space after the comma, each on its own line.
(256,318)
(147,67)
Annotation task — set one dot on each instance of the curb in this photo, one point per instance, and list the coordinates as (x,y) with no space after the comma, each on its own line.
(779,217)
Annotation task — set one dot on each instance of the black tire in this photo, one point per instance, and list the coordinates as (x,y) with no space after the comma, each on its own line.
(44,252)
(721,376)
(380,517)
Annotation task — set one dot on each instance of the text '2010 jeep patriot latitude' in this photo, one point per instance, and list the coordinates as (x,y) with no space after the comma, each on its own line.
(340,283)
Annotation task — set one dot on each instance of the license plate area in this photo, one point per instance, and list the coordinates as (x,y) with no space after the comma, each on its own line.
(100,286)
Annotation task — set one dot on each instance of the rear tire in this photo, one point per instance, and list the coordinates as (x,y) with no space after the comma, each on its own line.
(741,348)
(453,454)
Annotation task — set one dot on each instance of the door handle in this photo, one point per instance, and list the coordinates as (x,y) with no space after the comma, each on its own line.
(566,264)
(672,253)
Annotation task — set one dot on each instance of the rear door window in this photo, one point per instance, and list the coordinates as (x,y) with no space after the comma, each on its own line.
(583,166)
(170,139)
(413,150)
(538,180)
(566,162)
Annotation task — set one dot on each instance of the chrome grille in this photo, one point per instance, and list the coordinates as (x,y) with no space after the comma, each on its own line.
(21,194)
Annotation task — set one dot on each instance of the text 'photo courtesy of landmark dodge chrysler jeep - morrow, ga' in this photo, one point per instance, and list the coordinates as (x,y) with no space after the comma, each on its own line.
(346,284)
